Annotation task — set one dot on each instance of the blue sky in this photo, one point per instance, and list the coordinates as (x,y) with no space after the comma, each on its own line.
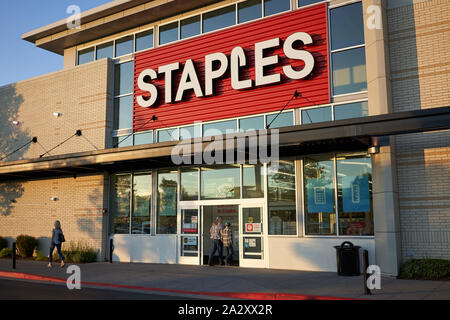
(19,59)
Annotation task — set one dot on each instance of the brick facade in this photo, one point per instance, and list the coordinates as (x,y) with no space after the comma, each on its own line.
(83,95)
(420,71)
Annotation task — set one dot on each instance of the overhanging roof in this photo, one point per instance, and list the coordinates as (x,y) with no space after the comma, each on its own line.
(342,135)
(110,18)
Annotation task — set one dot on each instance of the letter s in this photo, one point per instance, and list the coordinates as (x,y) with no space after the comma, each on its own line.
(304,55)
(147,87)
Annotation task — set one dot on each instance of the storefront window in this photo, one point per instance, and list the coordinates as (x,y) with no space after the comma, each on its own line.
(124,46)
(168,135)
(122,141)
(249,10)
(276,6)
(218,19)
(319,195)
(316,115)
(105,50)
(121,195)
(222,127)
(302,3)
(191,132)
(250,124)
(189,184)
(349,71)
(285,119)
(123,113)
(282,205)
(347,26)
(85,56)
(253,181)
(144,40)
(355,195)
(142,195)
(190,27)
(124,80)
(351,110)
(167,202)
(220,182)
(143,138)
(168,33)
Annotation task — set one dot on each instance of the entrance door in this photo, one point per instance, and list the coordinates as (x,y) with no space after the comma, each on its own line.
(251,239)
(190,249)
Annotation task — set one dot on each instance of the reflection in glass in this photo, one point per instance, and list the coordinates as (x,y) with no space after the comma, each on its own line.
(282,205)
(123,113)
(143,138)
(319,195)
(253,181)
(167,135)
(121,189)
(276,6)
(189,184)
(284,119)
(220,182)
(124,46)
(167,202)
(190,27)
(351,110)
(124,80)
(316,115)
(347,26)
(168,33)
(144,40)
(217,128)
(142,195)
(105,51)
(355,195)
(250,124)
(218,19)
(249,10)
(85,56)
(349,71)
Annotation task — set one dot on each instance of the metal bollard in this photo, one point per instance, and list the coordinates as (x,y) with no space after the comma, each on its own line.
(365,266)
(111,249)
(14,255)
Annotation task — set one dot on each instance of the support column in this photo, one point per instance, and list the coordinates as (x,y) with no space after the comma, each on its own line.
(385,190)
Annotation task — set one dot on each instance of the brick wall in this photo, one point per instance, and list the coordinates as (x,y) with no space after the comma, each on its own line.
(83,95)
(420,69)
(80,208)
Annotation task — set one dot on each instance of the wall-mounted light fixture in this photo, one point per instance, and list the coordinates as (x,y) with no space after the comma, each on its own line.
(57,114)
(54,199)
(13,201)
(16,122)
(373,150)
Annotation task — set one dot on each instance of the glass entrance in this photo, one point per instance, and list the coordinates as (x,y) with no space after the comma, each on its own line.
(251,241)
(190,235)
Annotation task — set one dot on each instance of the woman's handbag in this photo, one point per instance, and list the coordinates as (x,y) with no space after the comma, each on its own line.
(61,238)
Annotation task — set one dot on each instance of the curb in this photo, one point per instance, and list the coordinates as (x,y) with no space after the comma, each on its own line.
(232,295)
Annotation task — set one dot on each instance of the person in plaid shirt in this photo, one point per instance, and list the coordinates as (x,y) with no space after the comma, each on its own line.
(215,232)
(227,241)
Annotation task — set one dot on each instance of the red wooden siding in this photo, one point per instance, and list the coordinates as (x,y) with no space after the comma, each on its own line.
(227,102)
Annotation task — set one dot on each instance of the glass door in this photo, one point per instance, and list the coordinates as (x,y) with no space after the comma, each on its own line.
(190,236)
(251,242)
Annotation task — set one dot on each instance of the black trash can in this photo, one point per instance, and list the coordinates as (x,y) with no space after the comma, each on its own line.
(347,256)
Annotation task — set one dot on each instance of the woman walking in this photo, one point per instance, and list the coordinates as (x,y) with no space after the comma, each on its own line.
(57,240)
(217,245)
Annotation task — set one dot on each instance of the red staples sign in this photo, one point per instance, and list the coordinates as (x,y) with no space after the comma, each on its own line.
(243,70)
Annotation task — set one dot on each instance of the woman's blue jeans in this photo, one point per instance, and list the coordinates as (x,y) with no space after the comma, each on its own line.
(217,246)
(58,248)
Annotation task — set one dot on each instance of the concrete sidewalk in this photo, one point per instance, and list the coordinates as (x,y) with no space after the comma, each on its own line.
(208,282)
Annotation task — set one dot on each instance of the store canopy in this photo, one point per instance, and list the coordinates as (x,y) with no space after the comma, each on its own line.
(356,134)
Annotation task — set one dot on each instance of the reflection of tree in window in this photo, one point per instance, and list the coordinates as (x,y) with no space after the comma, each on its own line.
(167,204)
